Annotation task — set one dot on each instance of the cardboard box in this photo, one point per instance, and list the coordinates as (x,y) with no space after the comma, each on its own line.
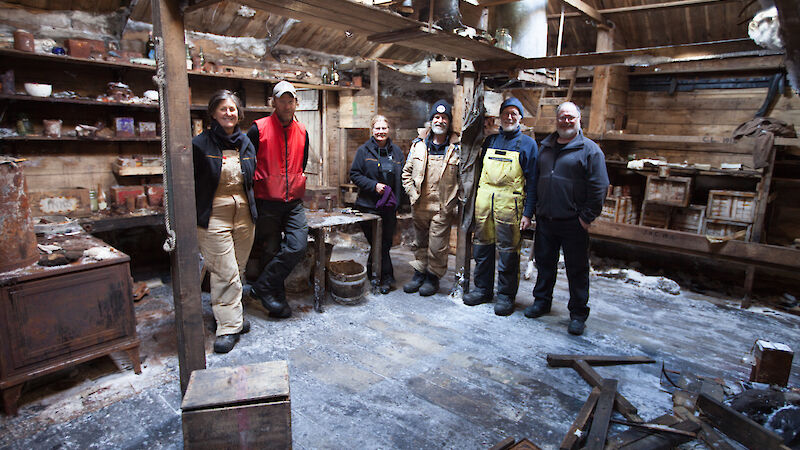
(84,48)
(238,407)
(124,126)
(155,194)
(119,194)
(147,129)
(71,202)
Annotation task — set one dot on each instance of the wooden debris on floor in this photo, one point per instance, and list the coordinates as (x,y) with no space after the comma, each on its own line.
(698,412)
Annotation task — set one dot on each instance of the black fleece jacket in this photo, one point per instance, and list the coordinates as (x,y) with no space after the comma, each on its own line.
(366,174)
(570,182)
(207,158)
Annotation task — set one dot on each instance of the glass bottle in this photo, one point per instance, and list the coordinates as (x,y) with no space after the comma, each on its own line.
(24,126)
(503,38)
(334,75)
(150,47)
(102,203)
(93,200)
(188,58)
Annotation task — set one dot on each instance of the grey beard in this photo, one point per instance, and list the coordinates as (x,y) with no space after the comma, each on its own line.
(437,129)
(568,133)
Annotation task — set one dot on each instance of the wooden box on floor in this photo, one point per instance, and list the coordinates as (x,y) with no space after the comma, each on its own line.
(773,363)
(238,407)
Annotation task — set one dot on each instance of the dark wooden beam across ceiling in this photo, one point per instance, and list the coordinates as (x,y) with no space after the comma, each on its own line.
(641,8)
(702,50)
(368,20)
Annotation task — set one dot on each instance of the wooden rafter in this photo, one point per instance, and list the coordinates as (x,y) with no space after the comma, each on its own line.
(585,9)
(199,4)
(641,8)
(702,50)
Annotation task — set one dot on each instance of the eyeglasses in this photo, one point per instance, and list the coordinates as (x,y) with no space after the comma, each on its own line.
(567,118)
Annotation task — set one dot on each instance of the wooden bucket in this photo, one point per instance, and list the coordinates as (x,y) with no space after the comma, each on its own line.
(347,281)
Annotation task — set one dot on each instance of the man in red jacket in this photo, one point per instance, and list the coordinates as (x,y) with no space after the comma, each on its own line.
(281,144)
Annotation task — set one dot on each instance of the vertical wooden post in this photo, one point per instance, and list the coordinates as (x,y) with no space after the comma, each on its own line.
(600,82)
(168,25)
(373,83)
(324,177)
(462,103)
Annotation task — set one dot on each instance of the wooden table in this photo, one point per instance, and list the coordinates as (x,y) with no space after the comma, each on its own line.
(318,221)
(55,317)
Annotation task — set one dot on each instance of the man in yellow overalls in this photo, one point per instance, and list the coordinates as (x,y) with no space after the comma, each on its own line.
(430,178)
(502,209)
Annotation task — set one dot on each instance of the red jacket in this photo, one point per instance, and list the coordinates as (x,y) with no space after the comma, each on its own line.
(280,160)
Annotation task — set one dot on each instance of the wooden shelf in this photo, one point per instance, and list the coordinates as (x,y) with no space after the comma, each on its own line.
(76,101)
(692,171)
(39,138)
(127,65)
(137,171)
(100,224)
(709,140)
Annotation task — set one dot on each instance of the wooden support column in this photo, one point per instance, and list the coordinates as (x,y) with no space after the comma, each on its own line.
(462,103)
(168,25)
(609,89)
(373,83)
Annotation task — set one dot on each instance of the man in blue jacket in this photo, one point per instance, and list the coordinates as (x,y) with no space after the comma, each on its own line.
(503,207)
(571,183)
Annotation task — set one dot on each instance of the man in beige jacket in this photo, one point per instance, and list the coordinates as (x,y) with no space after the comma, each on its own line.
(430,178)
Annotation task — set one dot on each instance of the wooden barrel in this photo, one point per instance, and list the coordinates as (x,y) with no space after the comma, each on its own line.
(17,241)
(347,281)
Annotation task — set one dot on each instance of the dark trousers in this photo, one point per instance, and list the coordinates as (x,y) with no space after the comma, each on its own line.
(282,234)
(388,227)
(552,235)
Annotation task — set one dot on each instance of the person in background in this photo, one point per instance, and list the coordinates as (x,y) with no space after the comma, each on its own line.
(281,144)
(571,183)
(430,178)
(503,207)
(376,171)
(224,164)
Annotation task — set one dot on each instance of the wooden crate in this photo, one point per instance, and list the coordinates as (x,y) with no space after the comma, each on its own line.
(773,363)
(72,202)
(723,228)
(732,205)
(655,215)
(690,219)
(620,209)
(238,407)
(673,191)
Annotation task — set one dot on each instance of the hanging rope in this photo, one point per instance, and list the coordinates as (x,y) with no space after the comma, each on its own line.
(160,80)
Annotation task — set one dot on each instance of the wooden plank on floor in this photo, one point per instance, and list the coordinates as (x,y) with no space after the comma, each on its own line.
(596,360)
(602,415)
(578,428)
(594,379)
(737,426)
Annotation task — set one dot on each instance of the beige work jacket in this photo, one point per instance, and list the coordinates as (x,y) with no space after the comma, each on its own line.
(415,168)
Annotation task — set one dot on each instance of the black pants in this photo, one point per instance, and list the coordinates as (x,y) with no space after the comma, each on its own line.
(388,227)
(552,235)
(282,234)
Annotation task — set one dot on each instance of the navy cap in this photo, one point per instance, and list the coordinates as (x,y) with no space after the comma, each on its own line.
(512,101)
(442,107)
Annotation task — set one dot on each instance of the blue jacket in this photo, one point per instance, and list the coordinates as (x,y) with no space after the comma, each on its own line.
(572,182)
(527,148)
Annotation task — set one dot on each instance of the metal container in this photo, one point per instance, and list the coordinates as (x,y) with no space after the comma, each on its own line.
(17,240)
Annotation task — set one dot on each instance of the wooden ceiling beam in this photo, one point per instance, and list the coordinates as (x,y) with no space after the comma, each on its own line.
(772,62)
(702,50)
(585,9)
(405,34)
(642,8)
(200,4)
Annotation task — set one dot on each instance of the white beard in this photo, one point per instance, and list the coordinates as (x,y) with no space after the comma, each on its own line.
(569,133)
(509,128)
(438,129)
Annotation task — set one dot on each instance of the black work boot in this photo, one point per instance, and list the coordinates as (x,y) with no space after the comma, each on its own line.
(536,310)
(225,343)
(415,283)
(476,297)
(431,285)
(576,327)
(504,305)
(387,284)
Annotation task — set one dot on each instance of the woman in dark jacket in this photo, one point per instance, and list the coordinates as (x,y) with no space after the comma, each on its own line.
(376,171)
(224,163)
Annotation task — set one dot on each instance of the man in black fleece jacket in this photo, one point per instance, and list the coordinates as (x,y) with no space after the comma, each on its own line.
(571,183)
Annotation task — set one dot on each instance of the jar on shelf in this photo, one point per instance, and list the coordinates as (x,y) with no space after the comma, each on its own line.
(503,39)
(24,126)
